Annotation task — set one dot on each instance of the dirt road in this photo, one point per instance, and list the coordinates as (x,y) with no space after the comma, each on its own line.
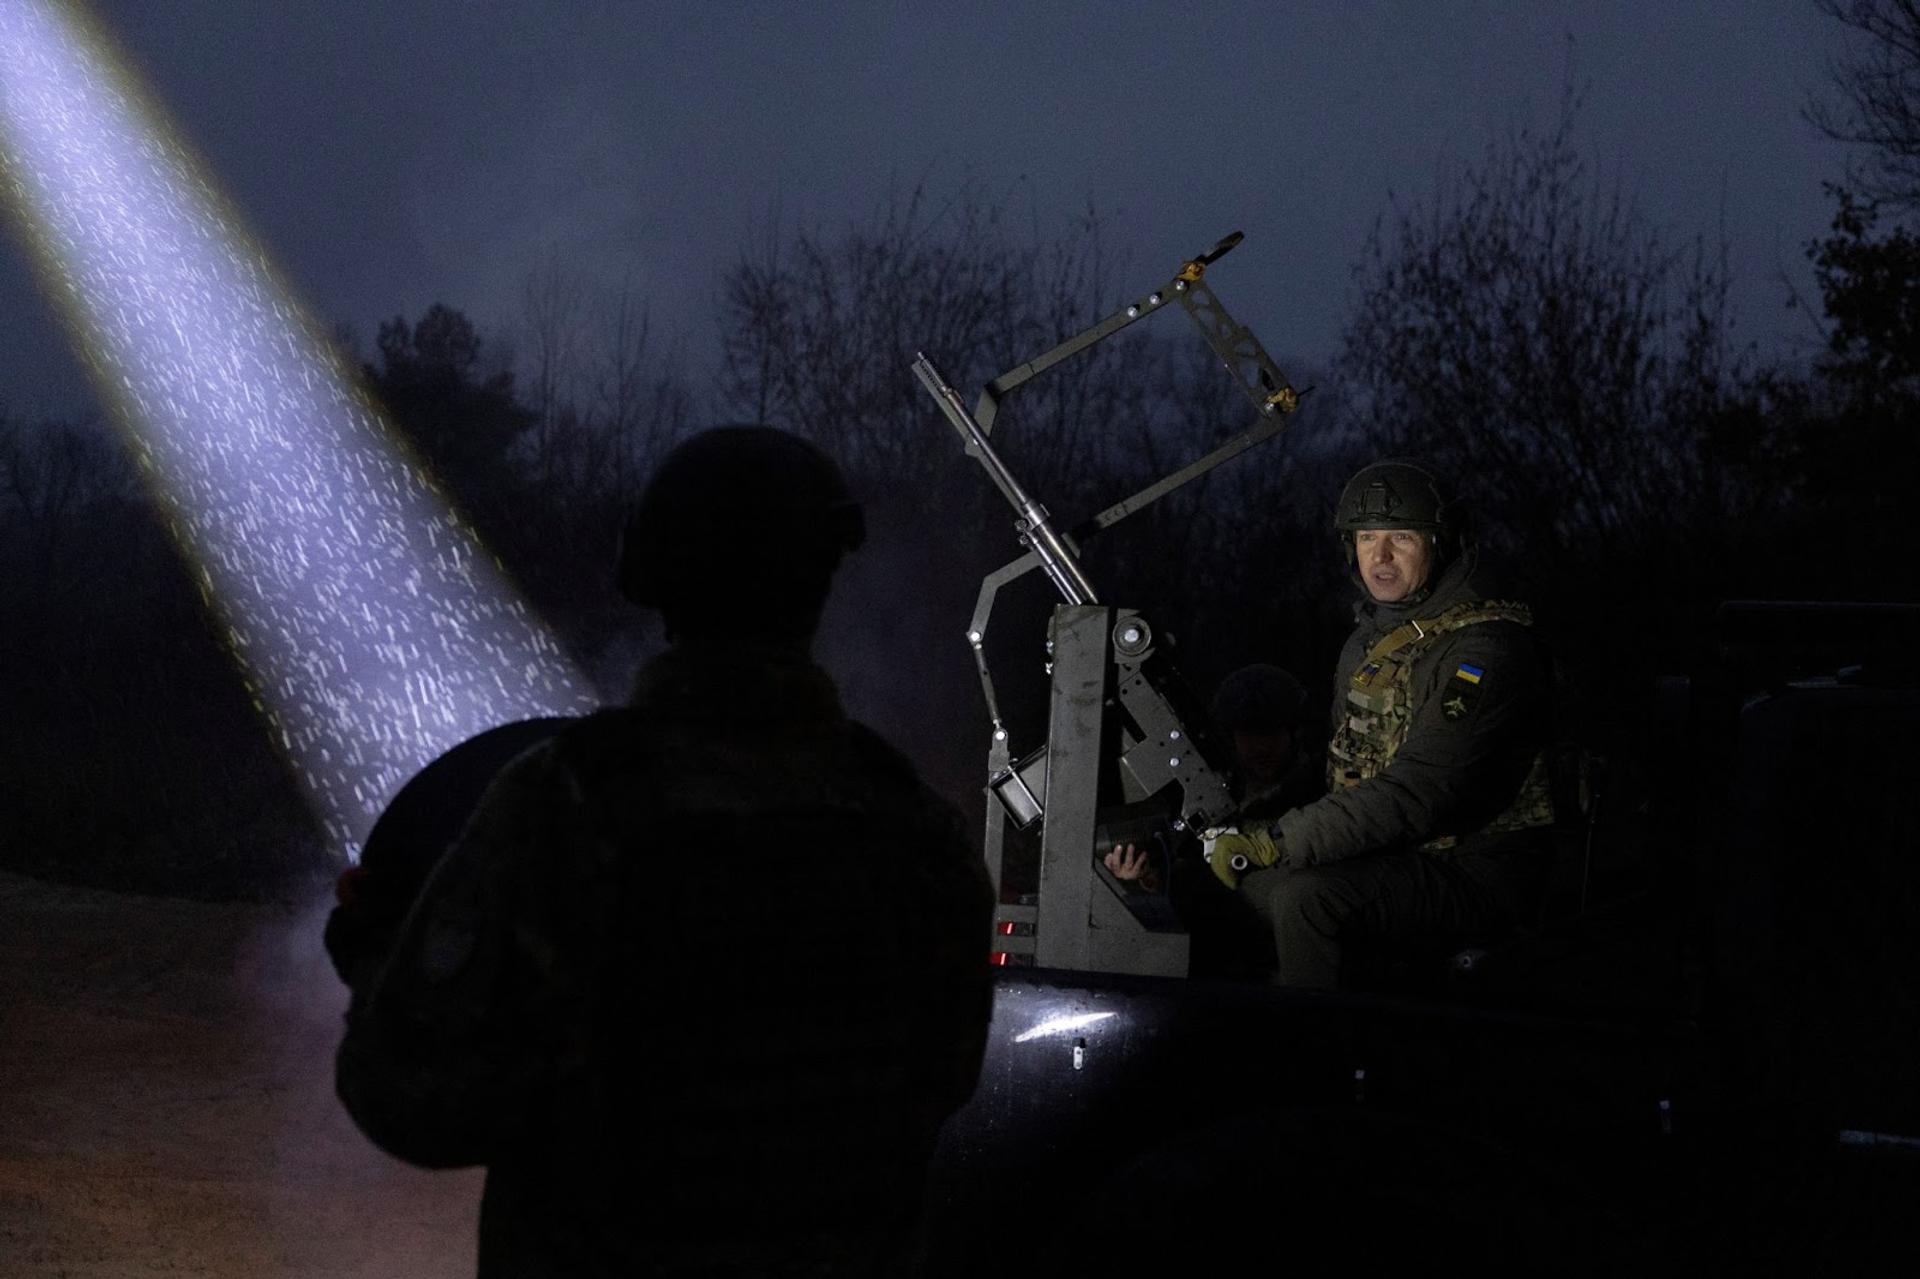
(166,1101)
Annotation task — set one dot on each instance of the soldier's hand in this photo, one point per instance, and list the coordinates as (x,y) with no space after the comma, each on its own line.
(1231,852)
(1130,864)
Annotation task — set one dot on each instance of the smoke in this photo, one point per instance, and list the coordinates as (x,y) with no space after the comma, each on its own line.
(329,1193)
(894,638)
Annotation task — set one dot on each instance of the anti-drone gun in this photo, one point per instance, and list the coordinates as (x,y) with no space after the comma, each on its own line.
(1128,749)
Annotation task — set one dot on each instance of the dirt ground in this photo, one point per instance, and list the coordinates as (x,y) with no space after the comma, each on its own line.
(166,1103)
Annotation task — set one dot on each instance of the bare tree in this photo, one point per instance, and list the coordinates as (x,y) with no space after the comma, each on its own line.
(1869,271)
(640,404)
(820,331)
(1878,87)
(553,324)
(1525,328)
(605,400)
(52,476)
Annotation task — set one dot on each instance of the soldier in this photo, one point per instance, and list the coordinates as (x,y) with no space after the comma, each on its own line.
(1263,710)
(1436,814)
(704,974)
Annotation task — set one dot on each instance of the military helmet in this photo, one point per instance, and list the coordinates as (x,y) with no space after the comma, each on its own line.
(1400,493)
(1260,698)
(747,512)
(1396,493)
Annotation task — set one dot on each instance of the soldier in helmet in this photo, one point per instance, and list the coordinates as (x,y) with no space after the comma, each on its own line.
(704,973)
(1262,709)
(1436,813)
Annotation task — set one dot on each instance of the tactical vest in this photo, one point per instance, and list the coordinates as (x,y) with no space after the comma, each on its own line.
(1380,709)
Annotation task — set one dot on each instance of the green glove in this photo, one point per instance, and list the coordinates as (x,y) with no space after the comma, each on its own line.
(1231,852)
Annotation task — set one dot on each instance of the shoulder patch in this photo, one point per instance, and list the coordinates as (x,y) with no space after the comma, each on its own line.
(1458,697)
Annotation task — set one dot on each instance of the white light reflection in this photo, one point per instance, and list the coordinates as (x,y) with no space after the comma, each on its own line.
(1062,1025)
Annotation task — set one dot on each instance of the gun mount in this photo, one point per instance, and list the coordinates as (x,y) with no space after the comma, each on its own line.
(1125,737)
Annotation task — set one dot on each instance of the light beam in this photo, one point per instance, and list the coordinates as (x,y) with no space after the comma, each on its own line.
(373,629)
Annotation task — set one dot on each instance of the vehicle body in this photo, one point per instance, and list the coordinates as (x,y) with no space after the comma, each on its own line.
(1717,1071)
(1718,1064)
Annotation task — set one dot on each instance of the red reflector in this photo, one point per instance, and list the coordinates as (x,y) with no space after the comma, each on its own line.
(1004,928)
(346,889)
(1001,959)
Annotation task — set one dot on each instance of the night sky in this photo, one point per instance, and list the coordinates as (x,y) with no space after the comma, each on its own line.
(390,155)
(168,1064)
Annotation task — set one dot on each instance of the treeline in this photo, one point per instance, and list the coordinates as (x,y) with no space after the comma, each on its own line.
(131,755)
(1521,326)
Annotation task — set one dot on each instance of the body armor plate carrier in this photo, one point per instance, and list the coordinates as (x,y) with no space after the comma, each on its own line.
(1380,710)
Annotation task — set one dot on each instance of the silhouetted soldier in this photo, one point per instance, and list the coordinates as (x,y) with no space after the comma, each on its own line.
(1437,814)
(1262,710)
(704,974)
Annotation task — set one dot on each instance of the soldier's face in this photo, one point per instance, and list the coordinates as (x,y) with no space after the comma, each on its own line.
(1265,756)
(1393,562)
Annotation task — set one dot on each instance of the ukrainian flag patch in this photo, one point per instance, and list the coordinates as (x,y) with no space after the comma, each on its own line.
(1457,699)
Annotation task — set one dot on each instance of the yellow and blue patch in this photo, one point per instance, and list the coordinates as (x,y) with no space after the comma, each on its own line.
(1462,690)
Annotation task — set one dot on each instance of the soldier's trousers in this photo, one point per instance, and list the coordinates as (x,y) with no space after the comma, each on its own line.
(1320,914)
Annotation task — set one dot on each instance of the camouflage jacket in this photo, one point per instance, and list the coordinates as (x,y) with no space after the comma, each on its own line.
(1475,722)
(697,984)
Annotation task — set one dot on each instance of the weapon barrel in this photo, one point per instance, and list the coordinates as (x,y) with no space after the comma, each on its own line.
(1056,558)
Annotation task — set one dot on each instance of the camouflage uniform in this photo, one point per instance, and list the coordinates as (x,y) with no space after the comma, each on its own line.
(1436,817)
(698,985)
